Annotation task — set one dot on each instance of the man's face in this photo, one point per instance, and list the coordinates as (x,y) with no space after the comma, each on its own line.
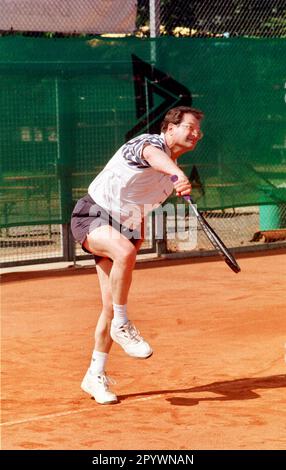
(187,133)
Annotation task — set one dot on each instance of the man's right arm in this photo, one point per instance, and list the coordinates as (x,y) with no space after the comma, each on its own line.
(160,161)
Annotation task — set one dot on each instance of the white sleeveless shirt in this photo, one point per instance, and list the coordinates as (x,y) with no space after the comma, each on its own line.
(128,187)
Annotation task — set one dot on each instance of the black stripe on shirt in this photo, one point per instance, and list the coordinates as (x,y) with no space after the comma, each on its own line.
(132,150)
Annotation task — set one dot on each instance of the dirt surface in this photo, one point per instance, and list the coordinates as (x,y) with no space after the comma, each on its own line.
(216,379)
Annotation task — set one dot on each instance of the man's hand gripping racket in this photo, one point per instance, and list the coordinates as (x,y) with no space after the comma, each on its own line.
(212,236)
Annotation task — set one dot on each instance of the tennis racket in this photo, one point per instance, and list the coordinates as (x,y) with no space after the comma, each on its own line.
(212,236)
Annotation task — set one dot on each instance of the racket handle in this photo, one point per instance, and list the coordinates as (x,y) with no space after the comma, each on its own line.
(174,179)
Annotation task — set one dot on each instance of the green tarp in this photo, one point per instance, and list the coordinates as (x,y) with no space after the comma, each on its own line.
(68,104)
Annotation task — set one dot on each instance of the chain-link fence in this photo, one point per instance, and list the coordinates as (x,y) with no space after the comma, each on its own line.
(96,95)
(196,18)
(240,229)
(68,17)
(204,18)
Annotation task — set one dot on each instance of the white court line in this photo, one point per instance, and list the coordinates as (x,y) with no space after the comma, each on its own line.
(72,412)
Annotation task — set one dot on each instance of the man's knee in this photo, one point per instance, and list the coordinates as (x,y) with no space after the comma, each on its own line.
(126,255)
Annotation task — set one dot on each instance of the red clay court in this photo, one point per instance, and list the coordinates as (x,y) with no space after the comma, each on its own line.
(216,380)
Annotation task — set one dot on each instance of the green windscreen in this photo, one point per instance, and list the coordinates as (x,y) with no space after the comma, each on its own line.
(68,104)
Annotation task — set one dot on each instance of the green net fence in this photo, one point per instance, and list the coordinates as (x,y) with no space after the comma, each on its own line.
(68,104)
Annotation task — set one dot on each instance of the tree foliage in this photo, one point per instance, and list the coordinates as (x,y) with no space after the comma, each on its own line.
(210,17)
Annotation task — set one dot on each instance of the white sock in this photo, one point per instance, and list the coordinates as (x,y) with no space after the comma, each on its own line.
(120,314)
(98,362)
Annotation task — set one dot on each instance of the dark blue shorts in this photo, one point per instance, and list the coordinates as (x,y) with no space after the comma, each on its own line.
(88,215)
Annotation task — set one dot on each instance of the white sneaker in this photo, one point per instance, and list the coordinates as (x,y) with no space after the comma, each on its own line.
(97,386)
(128,337)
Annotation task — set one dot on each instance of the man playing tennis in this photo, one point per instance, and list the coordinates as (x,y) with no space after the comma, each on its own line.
(107,222)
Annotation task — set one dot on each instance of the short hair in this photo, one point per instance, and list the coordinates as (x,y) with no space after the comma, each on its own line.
(175,116)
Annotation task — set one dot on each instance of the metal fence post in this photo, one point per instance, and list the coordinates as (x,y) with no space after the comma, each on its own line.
(65,151)
(154,12)
(161,243)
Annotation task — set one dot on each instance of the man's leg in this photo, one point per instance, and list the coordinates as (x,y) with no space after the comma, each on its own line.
(103,340)
(108,242)
(95,382)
